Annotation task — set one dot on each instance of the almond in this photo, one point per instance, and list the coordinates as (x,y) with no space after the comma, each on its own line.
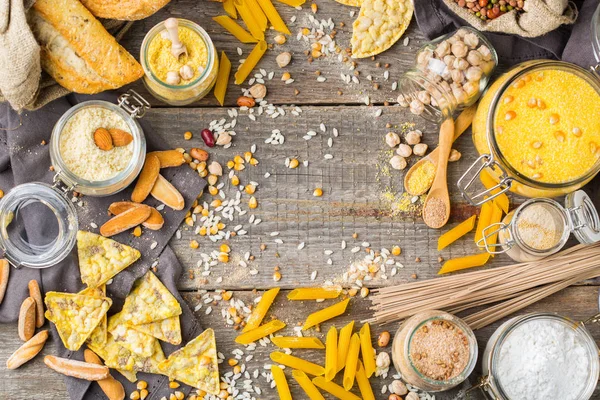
(126,220)
(169,158)
(27,351)
(36,294)
(4,274)
(167,194)
(120,137)
(111,387)
(244,101)
(26,326)
(199,154)
(103,139)
(77,369)
(146,179)
(154,222)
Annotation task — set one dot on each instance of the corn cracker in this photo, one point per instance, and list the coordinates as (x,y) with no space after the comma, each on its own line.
(168,330)
(137,342)
(100,334)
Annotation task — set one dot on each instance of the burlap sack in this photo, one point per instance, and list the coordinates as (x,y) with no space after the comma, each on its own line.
(537,18)
(22,82)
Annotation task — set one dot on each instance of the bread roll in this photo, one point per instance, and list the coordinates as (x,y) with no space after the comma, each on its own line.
(130,10)
(77,51)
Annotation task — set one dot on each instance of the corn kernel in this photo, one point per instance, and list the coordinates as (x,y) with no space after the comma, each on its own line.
(202,231)
(198,209)
(172,397)
(189,221)
(247,156)
(227,295)
(223,394)
(364,292)
(224,248)
(280,39)
(224,258)
(239,167)
(135,395)
(316,53)
(253,203)
(187,158)
(250,189)
(194,244)
(220,226)
(142,385)
(277,276)
(235,180)
(396,250)
(352,292)
(237,370)
(314,8)
(205,212)
(238,159)
(187,135)
(173,385)
(201,167)
(285,76)
(294,163)
(216,203)
(213,190)
(143,394)
(305,31)
(213,230)
(179,395)
(232,362)
(318,192)
(137,231)
(203,174)
(253,161)
(230,164)
(212,179)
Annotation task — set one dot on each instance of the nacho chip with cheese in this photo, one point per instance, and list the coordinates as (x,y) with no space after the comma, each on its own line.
(195,364)
(126,362)
(379,25)
(149,301)
(75,316)
(98,335)
(168,330)
(102,258)
(135,341)
(353,3)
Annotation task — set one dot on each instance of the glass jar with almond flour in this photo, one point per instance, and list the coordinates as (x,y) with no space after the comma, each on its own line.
(541,227)
(450,74)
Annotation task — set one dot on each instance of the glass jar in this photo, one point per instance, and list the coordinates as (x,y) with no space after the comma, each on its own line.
(492,382)
(404,342)
(38,225)
(450,74)
(179,95)
(131,106)
(486,136)
(596,36)
(541,227)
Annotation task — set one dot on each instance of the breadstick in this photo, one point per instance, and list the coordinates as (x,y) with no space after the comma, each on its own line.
(111,387)
(4,272)
(27,351)
(77,369)
(36,294)
(26,325)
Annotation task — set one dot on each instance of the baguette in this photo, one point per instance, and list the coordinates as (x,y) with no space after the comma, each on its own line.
(77,51)
(111,387)
(36,294)
(27,351)
(4,274)
(26,325)
(77,369)
(130,10)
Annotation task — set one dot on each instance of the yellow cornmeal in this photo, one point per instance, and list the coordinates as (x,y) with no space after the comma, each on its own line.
(421,179)
(547,126)
(161,59)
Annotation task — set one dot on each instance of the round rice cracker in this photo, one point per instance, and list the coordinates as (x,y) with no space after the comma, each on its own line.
(353,3)
(397,15)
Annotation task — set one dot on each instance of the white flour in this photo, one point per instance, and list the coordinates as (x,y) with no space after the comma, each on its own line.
(543,359)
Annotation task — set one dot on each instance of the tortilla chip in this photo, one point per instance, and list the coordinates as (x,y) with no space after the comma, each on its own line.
(168,330)
(149,301)
(101,258)
(137,342)
(75,316)
(121,359)
(100,334)
(379,25)
(195,364)
(131,376)
(353,3)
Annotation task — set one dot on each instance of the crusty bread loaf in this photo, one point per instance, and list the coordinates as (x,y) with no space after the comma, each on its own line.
(124,9)
(29,350)
(76,49)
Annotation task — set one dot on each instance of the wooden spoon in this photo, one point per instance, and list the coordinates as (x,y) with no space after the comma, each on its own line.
(463,121)
(436,210)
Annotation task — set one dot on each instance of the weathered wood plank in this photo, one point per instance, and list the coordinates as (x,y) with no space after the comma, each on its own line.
(400,58)
(34,379)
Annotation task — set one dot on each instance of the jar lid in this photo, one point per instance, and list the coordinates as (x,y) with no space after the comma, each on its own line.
(584,218)
(38,225)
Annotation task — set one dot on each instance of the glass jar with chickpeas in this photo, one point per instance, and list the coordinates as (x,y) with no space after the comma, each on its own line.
(450,74)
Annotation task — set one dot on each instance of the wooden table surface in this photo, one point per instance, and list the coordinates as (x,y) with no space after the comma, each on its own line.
(360,192)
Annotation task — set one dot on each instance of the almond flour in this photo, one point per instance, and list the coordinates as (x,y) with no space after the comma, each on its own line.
(79,152)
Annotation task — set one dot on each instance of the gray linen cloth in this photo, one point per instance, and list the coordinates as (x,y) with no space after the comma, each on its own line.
(24,159)
(569,42)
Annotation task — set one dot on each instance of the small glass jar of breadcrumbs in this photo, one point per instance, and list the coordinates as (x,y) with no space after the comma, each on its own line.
(450,74)
(434,351)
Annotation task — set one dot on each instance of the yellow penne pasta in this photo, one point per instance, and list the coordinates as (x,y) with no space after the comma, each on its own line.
(281,384)
(248,18)
(368,354)
(258,14)
(351,362)
(251,61)
(333,389)
(260,332)
(306,384)
(222,78)
(325,314)
(236,30)
(293,3)
(295,342)
(344,344)
(331,353)
(273,16)
(259,312)
(297,363)
(327,292)
(229,8)
(363,383)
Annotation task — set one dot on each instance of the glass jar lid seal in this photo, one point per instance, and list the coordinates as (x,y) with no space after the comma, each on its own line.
(584,218)
(38,225)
